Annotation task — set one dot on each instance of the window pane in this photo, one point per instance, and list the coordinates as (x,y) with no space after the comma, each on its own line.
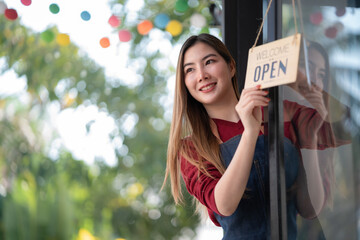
(324,190)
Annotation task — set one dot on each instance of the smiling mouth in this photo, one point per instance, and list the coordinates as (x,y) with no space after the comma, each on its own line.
(207,87)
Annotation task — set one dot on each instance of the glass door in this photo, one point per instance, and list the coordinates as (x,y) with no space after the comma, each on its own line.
(322,120)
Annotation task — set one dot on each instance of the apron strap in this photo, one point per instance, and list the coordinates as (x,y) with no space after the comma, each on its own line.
(215,130)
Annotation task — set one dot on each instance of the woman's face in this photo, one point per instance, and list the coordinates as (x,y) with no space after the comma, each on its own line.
(317,68)
(207,75)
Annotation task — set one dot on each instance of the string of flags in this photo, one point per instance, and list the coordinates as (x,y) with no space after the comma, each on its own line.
(161,21)
(332,31)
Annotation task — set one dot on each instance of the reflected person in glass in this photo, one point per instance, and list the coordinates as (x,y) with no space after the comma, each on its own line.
(312,89)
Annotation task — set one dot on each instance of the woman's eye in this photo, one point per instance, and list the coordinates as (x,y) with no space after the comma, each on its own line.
(209,61)
(188,70)
(321,76)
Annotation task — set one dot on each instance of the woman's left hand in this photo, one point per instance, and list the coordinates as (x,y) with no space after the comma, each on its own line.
(249,107)
(315,97)
(313,94)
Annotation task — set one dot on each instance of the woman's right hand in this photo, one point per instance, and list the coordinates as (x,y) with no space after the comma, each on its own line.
(249,107)
(313,93)
(231,187)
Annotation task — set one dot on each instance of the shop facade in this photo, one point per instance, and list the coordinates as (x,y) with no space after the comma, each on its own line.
(329,82)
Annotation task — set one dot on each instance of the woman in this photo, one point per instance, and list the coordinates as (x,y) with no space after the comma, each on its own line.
(217,145)
(314,94)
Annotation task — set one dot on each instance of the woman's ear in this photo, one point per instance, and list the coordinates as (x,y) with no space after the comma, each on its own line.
(232,68)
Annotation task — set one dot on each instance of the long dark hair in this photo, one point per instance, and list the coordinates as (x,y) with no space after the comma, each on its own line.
(191,126)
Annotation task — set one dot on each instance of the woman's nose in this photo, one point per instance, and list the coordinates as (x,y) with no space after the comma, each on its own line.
(202,74)
(316,78)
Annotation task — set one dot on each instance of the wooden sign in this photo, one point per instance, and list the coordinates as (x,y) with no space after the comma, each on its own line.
(273,64)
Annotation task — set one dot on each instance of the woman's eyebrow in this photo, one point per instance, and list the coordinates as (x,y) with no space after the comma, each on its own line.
(314,63)
(207,56)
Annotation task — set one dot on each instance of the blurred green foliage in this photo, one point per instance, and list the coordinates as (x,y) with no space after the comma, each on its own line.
(64,198)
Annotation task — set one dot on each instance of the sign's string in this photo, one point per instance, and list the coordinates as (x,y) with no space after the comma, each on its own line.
(266,13)
(261,26)
(306,55)
(295,23)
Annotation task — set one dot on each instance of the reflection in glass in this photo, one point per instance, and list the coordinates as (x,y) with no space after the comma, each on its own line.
(325,129)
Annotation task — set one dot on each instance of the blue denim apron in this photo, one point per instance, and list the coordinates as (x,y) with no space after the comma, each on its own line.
(251,220)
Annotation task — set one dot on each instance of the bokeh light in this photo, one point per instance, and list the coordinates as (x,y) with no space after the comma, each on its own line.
(54,8)
(161,20)
(26,2)
(340,11)
(47,36)
(124,35)
(174,27)
(181,6)
(85,15)
(63,39)
(144,27)
(331,32)
(316,18)
(198,20)
(114,21)
(104,42)
(11,14)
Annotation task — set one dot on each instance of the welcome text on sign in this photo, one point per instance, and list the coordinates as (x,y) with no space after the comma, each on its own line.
(273,52)
(274,63)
